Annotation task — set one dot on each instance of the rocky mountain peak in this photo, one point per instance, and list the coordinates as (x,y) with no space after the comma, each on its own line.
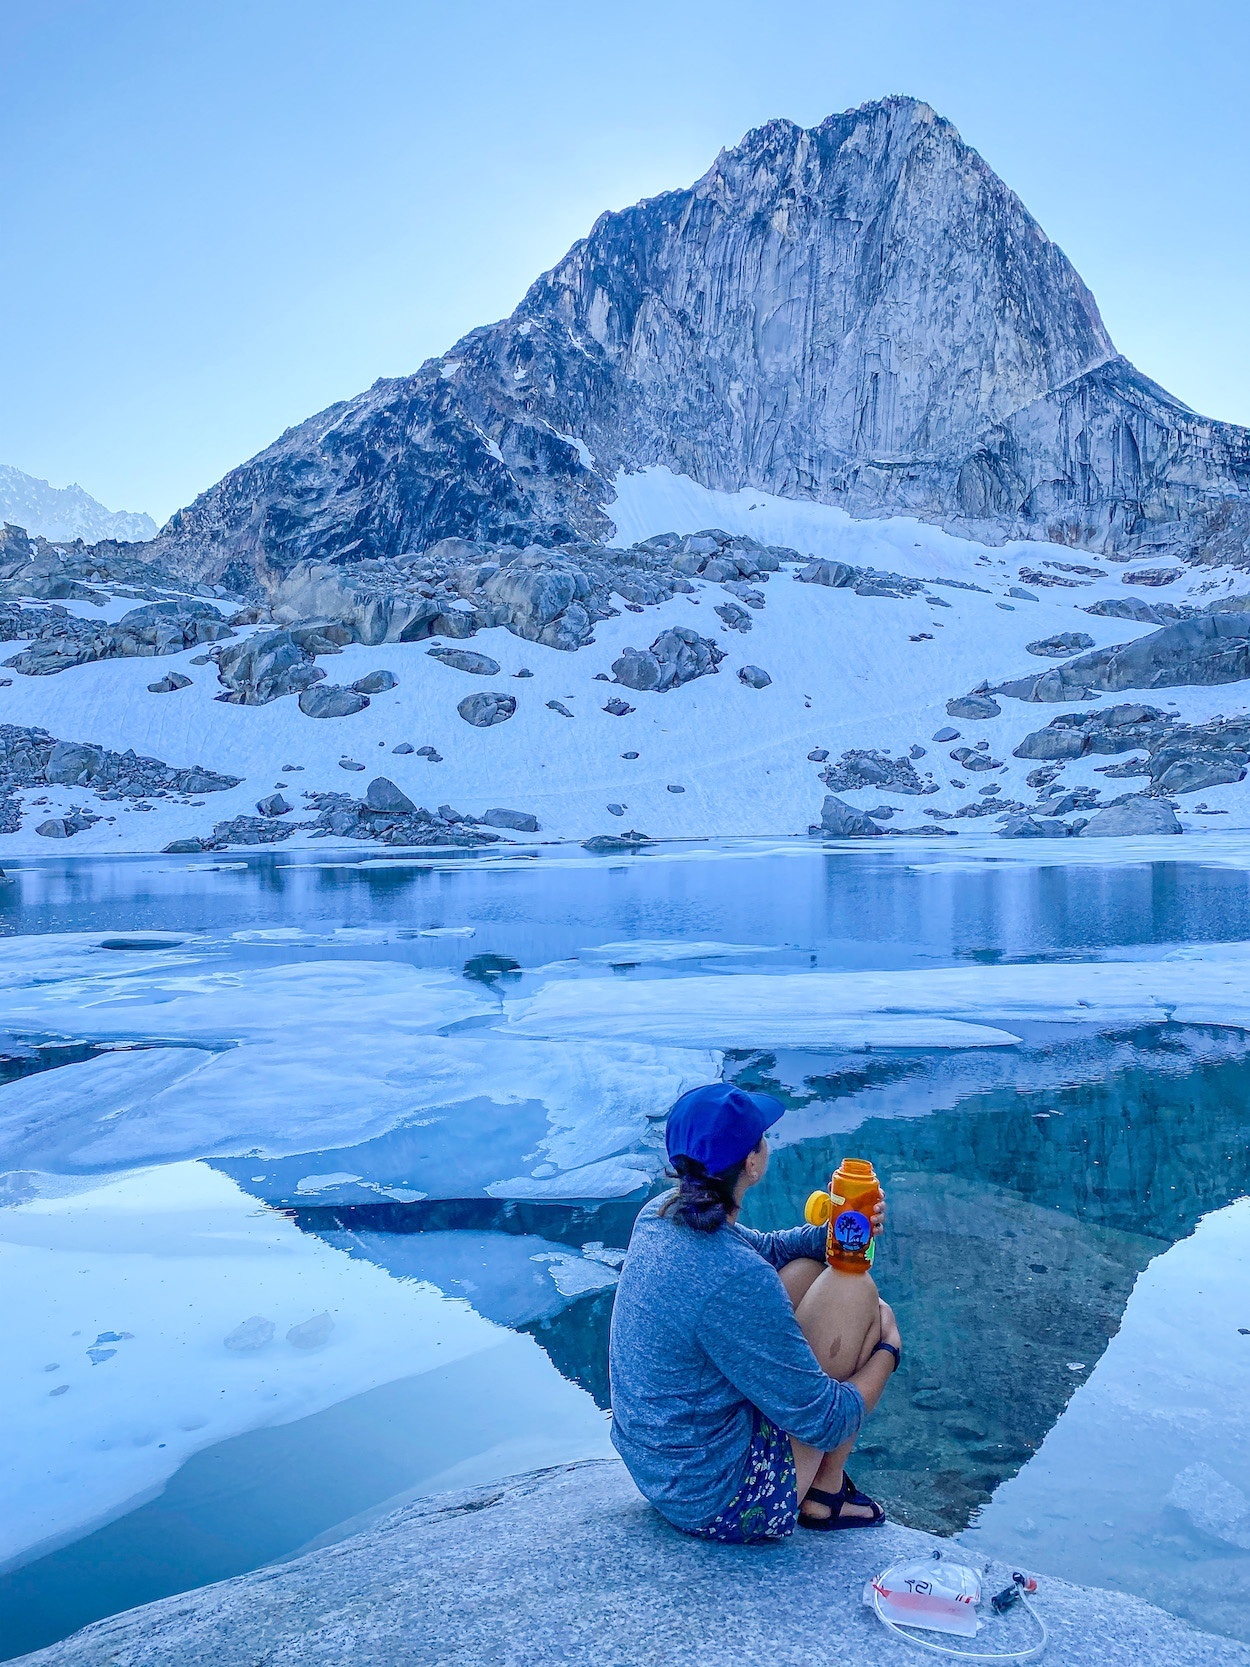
(860,313)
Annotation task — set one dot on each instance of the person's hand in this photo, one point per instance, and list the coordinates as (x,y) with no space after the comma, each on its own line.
(878,1216)
(889,1327)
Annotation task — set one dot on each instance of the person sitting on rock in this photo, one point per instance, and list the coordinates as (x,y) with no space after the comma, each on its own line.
(742,1367)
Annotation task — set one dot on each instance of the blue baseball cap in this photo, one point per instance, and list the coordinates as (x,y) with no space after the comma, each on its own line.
(719,1124)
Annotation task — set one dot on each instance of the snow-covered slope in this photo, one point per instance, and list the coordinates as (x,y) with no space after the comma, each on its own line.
(62,513)
(847,672)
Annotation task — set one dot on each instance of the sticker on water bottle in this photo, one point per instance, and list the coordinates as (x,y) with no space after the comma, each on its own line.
(852,1232)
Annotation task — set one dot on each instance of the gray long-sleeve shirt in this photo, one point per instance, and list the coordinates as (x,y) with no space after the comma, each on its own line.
(702,1333)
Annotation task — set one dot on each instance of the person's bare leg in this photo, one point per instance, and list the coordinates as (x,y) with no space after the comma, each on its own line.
(840,1315)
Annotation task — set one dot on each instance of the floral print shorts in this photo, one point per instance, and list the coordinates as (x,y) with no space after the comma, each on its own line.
(766,1505)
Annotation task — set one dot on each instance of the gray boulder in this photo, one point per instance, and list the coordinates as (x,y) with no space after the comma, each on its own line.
(1201,652)
(382,794)
(560,707)
(404,747)
(677,656)
(465,659)
(58,827)
(1134,816)
(331,700)
(1152,576)
(1137,608)
(274,805)
(72,764)
(252,830)
(755,677)
(1199,770)
(836,574)
(1060,645)
(973,706)
(608,843)
(264,668)
(519,821)
(486,709)
(169,684)
(842,821)
(946,734)
(736,618)
(1051,744)
(1034,827)
(376,683)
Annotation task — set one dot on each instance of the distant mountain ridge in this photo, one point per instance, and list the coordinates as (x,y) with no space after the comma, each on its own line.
(860,314)
(64,513)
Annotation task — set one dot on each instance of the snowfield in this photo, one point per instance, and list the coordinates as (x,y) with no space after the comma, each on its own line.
(845,673)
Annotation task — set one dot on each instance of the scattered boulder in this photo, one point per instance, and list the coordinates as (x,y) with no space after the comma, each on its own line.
(376,683)
(1137,608)
(1113,729)
(974,761)
(975,705)
(818,755)
(674,788)
(346,763)
(1060,645)
(1201,652)
(486,709)
(1199,770)
(1133,816)
(169,684)
(186,847)
(618,708)
(331,700)
(1019,592)
(274,805)
(946,734)
(736,618)
(560,707)
(58,827)
(677,656)
(1152,576)
(403,748)
(382,794)
(866,767)
(264,668)
(839,820)
(1034,827)
(836,574)
(465,659)
(252,830)
(609,843)
(519,821)
(755,677)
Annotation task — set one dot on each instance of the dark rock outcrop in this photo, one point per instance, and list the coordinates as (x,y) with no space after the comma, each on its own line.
(1134,816)
(838,820)
(1060,645)
(331,700)
(1211,649)
(486,709)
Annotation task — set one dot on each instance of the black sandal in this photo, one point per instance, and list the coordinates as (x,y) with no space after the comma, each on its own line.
(848,1494)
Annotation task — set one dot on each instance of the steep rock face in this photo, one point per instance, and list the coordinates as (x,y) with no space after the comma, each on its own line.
(861,313)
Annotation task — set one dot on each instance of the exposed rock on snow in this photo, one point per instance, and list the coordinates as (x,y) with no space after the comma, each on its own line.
(972,706)
(1153,576)
(330,700)
(464,659)
(1134,816)
(519,820)
(839,820)
(606,843)
(677,656)
(1060,645)
(755,677)
(382,794)
(375,683)
(156,628)
(264,668)
(1214,648)
(486,709)
(169,684)
(867,767)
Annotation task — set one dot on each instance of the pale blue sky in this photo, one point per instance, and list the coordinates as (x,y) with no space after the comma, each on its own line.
(219,216)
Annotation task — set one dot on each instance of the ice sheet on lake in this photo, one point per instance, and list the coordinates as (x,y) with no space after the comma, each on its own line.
(160,1267)
(326,1087)
(642,950)
(1142,1484)
(930,1008)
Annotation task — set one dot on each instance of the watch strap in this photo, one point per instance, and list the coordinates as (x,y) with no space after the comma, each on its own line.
(889,1348)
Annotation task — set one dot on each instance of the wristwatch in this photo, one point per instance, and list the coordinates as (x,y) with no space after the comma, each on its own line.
(889,1349)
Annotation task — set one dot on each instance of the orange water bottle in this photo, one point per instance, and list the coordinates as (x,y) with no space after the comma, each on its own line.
(846,1207)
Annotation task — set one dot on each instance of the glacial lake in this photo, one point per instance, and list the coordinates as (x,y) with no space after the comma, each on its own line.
(1069,1240)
